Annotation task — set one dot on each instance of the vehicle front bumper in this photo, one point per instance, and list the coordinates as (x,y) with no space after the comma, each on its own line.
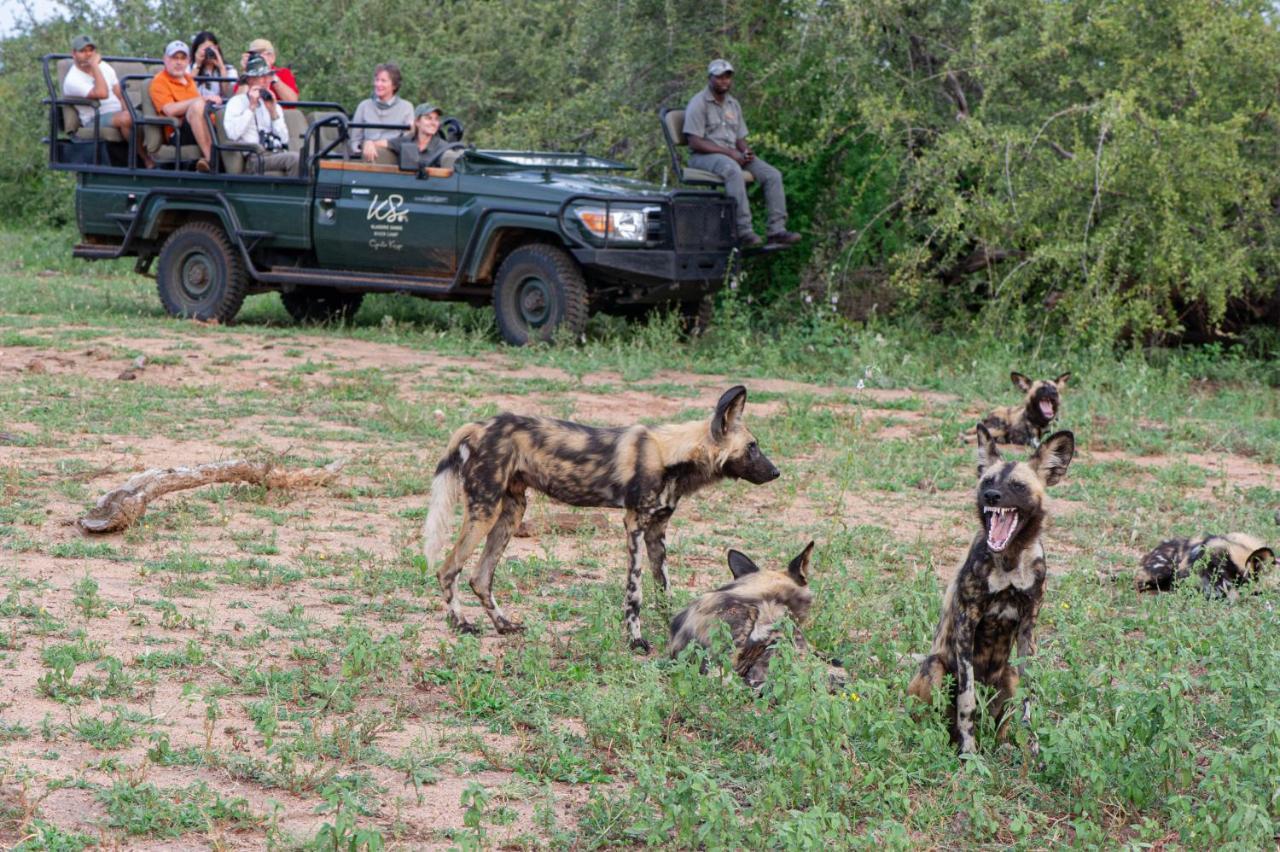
(652,276)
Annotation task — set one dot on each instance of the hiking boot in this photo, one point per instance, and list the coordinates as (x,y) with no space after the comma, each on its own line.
(750,240)
(784,238)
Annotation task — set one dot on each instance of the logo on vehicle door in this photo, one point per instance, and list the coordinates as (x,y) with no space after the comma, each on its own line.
(386,218)
(387,209)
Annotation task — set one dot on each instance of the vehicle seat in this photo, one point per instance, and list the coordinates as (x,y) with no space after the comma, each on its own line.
(162,151)
(296,121)
(326,134)
(673,131)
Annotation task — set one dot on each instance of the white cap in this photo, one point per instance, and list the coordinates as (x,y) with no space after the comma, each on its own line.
(176,46)
(718,67)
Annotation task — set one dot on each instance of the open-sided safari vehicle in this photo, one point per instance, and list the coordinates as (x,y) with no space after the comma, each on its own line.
(546,237)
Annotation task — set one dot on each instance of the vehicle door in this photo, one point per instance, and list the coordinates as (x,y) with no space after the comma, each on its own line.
(378,218)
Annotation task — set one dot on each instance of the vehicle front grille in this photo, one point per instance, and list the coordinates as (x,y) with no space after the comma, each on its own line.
(703,224)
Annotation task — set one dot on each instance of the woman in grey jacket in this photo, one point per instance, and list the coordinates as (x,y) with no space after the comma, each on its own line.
(385,107)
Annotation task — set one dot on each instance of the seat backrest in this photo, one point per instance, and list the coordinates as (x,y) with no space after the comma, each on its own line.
(325,135)
(673,120)
(232,161)
(70,118)
(296,121)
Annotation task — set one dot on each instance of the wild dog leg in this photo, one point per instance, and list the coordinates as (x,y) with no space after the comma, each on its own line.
(634,595)
(962,631)
(513,507)
(1026,648)
(474,529)
(655,540)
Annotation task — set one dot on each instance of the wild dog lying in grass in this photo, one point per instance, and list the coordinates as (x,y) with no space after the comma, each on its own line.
(1026,423)
(754,607)
(1224,564)
(645,470)
(996,596)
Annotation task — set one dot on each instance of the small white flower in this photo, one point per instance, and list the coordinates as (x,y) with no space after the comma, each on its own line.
(861,384)
(808,298)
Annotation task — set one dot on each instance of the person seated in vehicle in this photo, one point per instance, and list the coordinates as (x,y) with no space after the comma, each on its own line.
(174,94)
(422,145)
(207,61)
(385,107)
(717,134)
(283,84)
(90,77)
(254,117)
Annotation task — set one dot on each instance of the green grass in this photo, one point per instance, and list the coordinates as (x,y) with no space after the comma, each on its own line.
(289,642)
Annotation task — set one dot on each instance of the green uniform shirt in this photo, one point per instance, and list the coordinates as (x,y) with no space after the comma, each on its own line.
(721,123)
(406,147)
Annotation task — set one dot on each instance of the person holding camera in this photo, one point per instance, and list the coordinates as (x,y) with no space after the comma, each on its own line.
(206,61)
(254,117)
(385,107)
(422,145)
(282,85)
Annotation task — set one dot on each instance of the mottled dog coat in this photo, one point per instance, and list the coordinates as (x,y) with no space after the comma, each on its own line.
(1026,423)
(1223,564)
(645,470)
(996,596)
(754,607)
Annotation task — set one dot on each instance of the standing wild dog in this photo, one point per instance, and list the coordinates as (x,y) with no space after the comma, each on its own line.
(1223,563)
(645,470)
(753,606)
(1026,423)
(996,595)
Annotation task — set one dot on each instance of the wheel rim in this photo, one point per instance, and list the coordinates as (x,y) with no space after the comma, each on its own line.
(533,300)
(196,276)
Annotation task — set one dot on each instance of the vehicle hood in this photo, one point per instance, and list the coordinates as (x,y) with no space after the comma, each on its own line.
(540,183)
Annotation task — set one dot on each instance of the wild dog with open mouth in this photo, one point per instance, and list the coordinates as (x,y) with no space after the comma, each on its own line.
(1026,423)
(1224,564)
(754,607)
(996,596)
(645,470)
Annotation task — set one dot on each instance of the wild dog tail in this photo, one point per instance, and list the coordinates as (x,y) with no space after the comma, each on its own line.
(445,490)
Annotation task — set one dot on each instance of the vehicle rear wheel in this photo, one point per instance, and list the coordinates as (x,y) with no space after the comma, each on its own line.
(199,274)
(539,291)
(321,304)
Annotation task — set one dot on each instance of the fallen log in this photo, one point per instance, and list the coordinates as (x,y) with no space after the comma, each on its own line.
(122,507)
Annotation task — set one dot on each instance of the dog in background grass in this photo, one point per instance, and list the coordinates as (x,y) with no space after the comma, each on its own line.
(645,470)
(754,607)
(1026,423)
(1223,564)
(995,598)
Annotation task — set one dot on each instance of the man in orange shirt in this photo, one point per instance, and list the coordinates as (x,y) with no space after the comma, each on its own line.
(174,94)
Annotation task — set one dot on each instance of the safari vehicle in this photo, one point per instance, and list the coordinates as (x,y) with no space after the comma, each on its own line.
(547,238)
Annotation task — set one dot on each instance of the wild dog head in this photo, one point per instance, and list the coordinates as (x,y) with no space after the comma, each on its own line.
(736,452)
(1227,563)
(1010,494)
(753,607)
(1044,398)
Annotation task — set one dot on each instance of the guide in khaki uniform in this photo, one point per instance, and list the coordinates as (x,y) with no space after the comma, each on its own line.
(717,133)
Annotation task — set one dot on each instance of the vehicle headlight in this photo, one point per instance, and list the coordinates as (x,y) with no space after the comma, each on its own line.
(620,224)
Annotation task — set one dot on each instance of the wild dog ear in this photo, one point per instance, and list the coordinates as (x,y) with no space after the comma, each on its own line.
(1020,381)
(728,410)
(1260,560)
(798,568)
(1061,381)
(740,565)
(988,452)
(1053,457)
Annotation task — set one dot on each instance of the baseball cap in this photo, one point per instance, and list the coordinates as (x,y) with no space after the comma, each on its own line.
(423,109)
(176,46)
(80,42)
(257,66)
(718,67)
(258,45)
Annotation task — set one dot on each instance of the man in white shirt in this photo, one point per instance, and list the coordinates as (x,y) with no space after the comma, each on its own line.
(89,77)
(253,117)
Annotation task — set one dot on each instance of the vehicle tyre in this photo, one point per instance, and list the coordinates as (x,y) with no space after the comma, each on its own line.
(199,274)
(696,316)
(321,304)
(539,291)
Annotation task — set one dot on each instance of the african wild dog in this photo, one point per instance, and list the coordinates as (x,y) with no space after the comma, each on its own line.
(645,470)
(1223,563)
(1026,423)
(997,593)
(753,607)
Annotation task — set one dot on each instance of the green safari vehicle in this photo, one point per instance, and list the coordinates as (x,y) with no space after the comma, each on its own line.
(547,238)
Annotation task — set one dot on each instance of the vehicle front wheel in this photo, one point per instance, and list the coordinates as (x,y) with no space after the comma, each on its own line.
(321,304)
(199,274)
(539,291)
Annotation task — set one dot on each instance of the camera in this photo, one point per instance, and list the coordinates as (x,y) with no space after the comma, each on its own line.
(267,95)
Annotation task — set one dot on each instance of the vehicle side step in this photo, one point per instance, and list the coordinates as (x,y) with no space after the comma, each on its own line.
(381,281)
(94,251)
